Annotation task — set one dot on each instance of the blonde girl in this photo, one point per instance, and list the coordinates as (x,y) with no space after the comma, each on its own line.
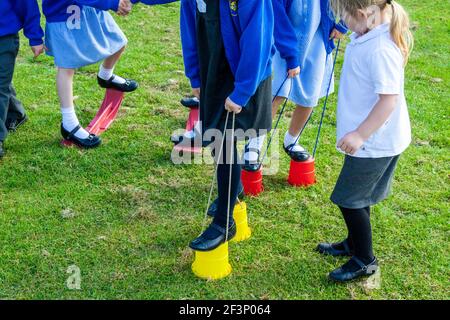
(373,127)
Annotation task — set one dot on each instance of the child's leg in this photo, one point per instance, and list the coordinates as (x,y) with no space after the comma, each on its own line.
(223,183)
(106,70)
(108,80)
(257,143)
(16,110)
(64,83)
(299,118)
(360,231)
(9,47)
(214,235)
(276,104)
(253,149)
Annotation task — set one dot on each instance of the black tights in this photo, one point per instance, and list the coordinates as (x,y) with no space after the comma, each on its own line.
(359,232)
(223,179)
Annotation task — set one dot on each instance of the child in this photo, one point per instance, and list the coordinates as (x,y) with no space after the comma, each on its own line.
(16,15)
(304,33)
(80,33)
(373,126)
(234,49)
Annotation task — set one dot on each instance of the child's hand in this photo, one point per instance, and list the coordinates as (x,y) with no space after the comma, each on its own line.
(230,106)
(196,92)
(335,34)
(125,7)
(351,142)
(292,73)
(37,50)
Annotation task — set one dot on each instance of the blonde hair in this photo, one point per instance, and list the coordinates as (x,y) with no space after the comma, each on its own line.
(399,26)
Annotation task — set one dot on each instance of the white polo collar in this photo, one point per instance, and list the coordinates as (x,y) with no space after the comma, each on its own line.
(374,33)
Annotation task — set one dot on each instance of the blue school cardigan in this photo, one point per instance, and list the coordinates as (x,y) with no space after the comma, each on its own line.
(60,10)
(21,14)
(189,42)
(247,27)
(328,23)
(57,10)
(285,35)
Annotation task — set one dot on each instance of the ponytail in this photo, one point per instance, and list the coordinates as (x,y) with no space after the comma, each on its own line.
(400,32)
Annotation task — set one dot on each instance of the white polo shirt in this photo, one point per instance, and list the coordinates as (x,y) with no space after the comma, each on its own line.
(373,65)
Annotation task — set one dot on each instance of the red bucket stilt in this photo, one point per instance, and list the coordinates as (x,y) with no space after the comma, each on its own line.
(252,182)
(302,173)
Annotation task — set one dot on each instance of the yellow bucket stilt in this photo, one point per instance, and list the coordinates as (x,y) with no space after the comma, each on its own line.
(243,232)
(212,265)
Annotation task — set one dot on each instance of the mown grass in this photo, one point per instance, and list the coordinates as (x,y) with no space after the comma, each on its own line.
(124,213)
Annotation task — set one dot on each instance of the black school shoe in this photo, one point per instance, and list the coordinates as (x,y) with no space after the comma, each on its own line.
(14,124)
(128,86)
(192,102)
(204,243)
(251,166)
(331,249)
(299,156)
(212,210)
(354,269)
(90,142)
(2,151)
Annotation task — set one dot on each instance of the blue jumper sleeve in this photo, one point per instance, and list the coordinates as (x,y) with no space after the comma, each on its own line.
(104,5)
(341,27)
(189,41)
(256,21)
(153,2)
(31,18)
(286,40)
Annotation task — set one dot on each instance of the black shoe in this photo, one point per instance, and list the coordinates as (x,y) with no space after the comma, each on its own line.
(332,249)
(212,210)
(182,141)
(2,151)
(128,86)
(13,125)
(90,142)
(251,166)
(299,156)
(192,102)
(205,243)
(353,270)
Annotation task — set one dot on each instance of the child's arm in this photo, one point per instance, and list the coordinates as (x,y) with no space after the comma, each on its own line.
(256,22)
(285,38)
(31,18)
(153,2)
(189,43)
(104,5)
(380,113)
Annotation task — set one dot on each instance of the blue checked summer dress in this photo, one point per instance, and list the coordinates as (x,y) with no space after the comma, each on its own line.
(98,37)
(316,64)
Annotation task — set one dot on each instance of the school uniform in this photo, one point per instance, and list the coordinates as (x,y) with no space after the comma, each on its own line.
(80,33)
(373,65)
(232,61)
(16,15)
(188,34)
(232,58)
(302,29)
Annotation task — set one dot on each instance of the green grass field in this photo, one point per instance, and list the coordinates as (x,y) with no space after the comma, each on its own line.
(124,214)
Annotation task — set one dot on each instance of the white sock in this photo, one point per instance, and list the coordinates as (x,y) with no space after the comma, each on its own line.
(70,122)
(106,74)
(193,133)
(189,134)
(254,143)
(288,140)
